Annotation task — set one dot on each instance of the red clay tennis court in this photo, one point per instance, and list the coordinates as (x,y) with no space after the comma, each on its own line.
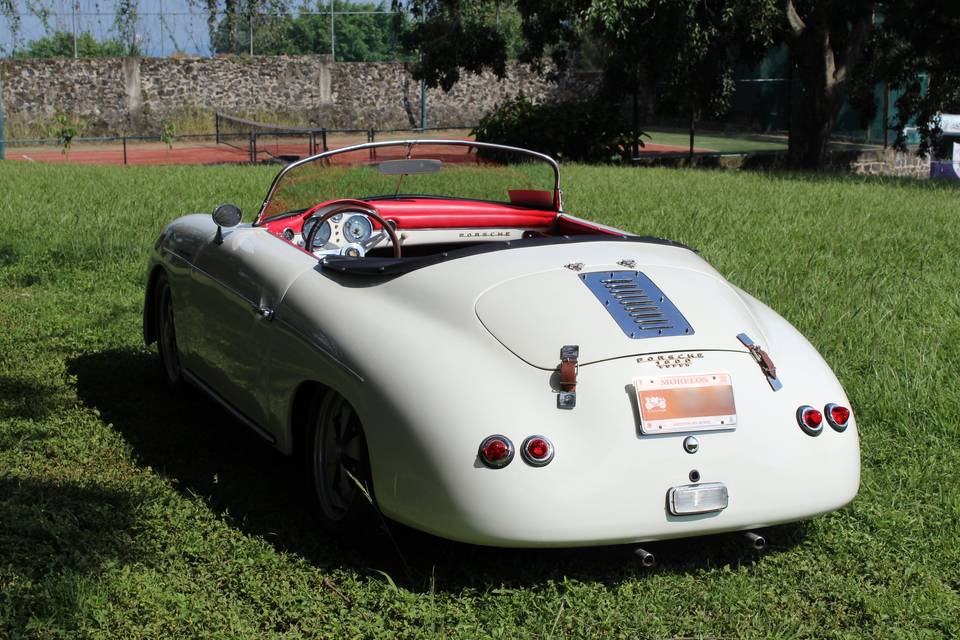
(158,154)
(208,151)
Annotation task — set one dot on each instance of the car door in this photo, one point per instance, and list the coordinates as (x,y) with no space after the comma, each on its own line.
(238,285)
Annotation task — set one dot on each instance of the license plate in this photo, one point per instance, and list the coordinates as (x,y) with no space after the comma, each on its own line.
(684,403)
(692,499)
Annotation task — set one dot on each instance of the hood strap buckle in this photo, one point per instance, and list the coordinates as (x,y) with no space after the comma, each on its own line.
(567,376)
(763,359)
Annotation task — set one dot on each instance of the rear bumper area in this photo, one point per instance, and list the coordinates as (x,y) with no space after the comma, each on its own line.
(609,484)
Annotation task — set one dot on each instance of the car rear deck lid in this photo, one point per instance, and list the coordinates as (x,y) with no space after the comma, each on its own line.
(534,315)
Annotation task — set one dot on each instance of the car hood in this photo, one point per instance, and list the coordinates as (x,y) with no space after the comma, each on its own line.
(610,311)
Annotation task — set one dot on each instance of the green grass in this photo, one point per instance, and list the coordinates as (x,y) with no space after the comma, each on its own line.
(723,143)
(128,512)
(734,142)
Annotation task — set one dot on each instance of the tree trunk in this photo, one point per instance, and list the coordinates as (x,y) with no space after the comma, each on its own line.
(823,73)
(693,122)
(812,116)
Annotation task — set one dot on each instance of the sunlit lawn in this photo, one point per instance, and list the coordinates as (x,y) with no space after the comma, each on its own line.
(126,511)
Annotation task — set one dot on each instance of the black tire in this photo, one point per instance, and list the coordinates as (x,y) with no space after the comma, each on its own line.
(337,467)
(167,334)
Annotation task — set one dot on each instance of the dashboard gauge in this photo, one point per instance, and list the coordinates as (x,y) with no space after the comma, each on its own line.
(322,237)
(357,229)
(337,217)
(288,234)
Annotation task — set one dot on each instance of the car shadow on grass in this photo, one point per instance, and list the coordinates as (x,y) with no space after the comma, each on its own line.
(56,538)
(205,452)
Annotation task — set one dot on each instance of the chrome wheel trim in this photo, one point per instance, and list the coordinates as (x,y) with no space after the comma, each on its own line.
(167,337)
(337,455)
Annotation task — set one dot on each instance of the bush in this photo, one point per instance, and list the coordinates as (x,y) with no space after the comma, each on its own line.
(586,131)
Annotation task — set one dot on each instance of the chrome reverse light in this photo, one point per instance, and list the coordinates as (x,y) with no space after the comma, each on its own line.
(496,451)
(692,499)
(837,416)
(537,451)
(810,420)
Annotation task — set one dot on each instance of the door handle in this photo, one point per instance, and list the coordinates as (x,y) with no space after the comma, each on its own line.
(264,312)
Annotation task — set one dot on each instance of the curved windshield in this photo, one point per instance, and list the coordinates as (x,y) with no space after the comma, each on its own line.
(415,168)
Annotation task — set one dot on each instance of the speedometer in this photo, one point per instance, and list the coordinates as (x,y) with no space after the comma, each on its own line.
(357,228)
(322,237)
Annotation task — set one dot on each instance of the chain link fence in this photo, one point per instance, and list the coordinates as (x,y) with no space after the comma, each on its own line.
(348,31)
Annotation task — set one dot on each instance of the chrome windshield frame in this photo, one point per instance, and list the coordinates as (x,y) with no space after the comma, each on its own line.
(557,193)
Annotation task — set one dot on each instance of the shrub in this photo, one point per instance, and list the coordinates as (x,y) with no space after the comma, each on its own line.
(585,131)
(65,129)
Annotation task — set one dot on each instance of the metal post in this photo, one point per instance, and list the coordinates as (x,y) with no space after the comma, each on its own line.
(313,143)
(160,11)
(333,36)
(124,150)
(886,114)
(323,134)
(253,148)
(423,104)
(216,126)
(423,84)
(76,8)
(2,149)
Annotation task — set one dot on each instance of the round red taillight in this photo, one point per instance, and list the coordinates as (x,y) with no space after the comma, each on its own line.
(537,450)
(496,451)
(837,416)
(811,420)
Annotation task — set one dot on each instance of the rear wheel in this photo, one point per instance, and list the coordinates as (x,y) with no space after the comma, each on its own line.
(167,334)
(338,467)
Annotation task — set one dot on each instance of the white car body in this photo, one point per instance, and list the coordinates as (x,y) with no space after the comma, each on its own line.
(438,358)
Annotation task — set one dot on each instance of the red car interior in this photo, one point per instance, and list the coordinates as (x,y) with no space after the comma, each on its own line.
(430,213)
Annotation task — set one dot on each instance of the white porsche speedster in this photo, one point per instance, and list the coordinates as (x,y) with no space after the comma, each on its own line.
(424,327)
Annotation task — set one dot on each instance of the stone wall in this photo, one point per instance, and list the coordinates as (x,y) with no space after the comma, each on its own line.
(133,95)
(891,163)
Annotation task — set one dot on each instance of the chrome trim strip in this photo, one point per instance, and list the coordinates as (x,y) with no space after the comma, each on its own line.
(313,343)
(557,192)
(247,422)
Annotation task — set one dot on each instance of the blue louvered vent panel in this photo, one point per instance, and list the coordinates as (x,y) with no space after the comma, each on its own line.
(638,305)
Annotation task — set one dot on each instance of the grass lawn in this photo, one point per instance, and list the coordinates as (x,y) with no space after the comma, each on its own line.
(734,142)
(128,512)
(722,143)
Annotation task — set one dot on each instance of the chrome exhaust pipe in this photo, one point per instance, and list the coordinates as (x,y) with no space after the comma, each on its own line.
(756,541)
(647,559)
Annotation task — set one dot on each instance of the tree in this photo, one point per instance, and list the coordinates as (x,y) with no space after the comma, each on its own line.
(689,48)
(366,33)
(60,45)
(827,40)
(917,42)
(447,36)
(125,22)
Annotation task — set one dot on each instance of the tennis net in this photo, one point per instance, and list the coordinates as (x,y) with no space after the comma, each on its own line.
(262,141)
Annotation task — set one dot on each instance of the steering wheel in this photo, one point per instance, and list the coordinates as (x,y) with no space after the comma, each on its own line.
(361,207)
